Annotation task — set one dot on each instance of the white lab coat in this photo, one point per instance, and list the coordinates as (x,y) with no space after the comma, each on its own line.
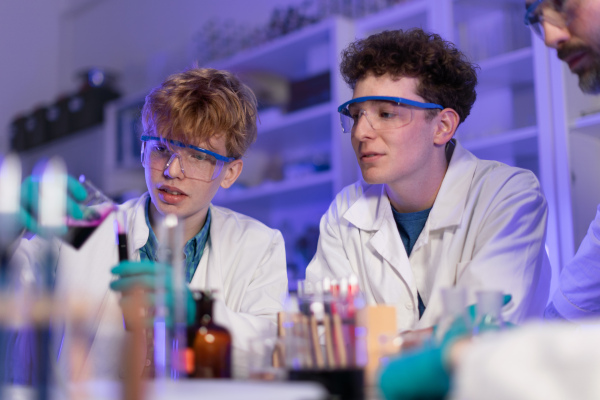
(244,261)
(551,361)
(486,230)
(578,294)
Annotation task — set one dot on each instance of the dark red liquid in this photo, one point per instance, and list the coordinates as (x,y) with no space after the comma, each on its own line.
(77,235)
(80,230)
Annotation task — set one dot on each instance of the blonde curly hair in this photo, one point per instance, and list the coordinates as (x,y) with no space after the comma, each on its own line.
(201,104)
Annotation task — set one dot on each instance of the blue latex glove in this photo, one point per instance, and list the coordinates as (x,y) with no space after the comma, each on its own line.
(143,275)
(472,309)
(30,200)
(423,373)
(417,374)
(459,329)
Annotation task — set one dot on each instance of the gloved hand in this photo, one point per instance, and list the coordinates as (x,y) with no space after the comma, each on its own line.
(30,200)
(416,374)
(472,309)
(459,328)
(142,275)
(424,373)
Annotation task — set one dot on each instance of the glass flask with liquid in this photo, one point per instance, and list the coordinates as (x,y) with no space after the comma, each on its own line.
(96,207)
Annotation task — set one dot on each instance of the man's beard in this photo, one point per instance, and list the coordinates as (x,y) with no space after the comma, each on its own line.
(589,79)
(589,76)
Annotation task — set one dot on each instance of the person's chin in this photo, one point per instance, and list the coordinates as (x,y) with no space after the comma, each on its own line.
(588,72)
(372,178)
(589,83)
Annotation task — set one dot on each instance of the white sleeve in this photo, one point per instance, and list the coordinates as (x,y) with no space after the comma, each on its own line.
(263,299)
(578,294)
(330,259)
(509,253)
(536,361)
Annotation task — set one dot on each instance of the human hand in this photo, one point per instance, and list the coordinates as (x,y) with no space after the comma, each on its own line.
(30,201)
(472,309)
(416,374)
(143,276)
(415,338)
(464,326)
(423,372)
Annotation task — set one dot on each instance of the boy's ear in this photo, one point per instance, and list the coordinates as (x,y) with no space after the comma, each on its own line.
(447,122)
(231,172)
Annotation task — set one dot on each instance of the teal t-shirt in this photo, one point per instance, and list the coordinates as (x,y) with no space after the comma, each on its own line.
(410,226)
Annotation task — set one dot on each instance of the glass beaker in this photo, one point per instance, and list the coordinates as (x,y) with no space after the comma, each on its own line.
(96,207)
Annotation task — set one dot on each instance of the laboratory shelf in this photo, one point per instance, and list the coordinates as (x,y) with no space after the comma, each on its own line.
(588,124)
(408,14)
(273,188)
(500,139)
(276,119)
(511,68)
(286,56)
(278,130)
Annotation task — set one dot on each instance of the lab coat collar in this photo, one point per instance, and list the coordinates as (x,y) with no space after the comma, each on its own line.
(372,209)
(372,213)
(450,203)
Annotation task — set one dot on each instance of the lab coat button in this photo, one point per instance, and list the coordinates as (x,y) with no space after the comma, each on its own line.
(408,306)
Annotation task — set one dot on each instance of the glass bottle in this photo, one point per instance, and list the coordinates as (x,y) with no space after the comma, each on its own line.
(489,312)
(209,342)
(454,321)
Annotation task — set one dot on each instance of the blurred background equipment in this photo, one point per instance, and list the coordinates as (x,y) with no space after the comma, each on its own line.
(69,114)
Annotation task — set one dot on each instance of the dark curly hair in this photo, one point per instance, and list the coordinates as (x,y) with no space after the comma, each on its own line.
(446,76)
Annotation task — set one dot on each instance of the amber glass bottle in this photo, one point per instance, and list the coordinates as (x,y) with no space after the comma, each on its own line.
(209,342)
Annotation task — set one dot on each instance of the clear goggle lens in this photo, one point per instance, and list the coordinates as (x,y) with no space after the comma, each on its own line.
(381,115)
(194,164)
(546,11)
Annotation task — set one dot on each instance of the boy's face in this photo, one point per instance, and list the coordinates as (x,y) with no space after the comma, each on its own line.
(171,192)
(393,156)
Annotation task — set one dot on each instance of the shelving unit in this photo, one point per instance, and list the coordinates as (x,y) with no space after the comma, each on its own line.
(574,140)
(300,159)
(502,124)
(588,124)
(123,172)
(77,151)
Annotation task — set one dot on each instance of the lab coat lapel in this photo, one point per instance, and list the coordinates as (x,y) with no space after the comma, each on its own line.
(137,228)
(205,277)
(372,213)
(449,205)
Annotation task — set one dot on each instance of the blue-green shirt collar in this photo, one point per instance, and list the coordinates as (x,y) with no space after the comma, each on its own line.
(192,250)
